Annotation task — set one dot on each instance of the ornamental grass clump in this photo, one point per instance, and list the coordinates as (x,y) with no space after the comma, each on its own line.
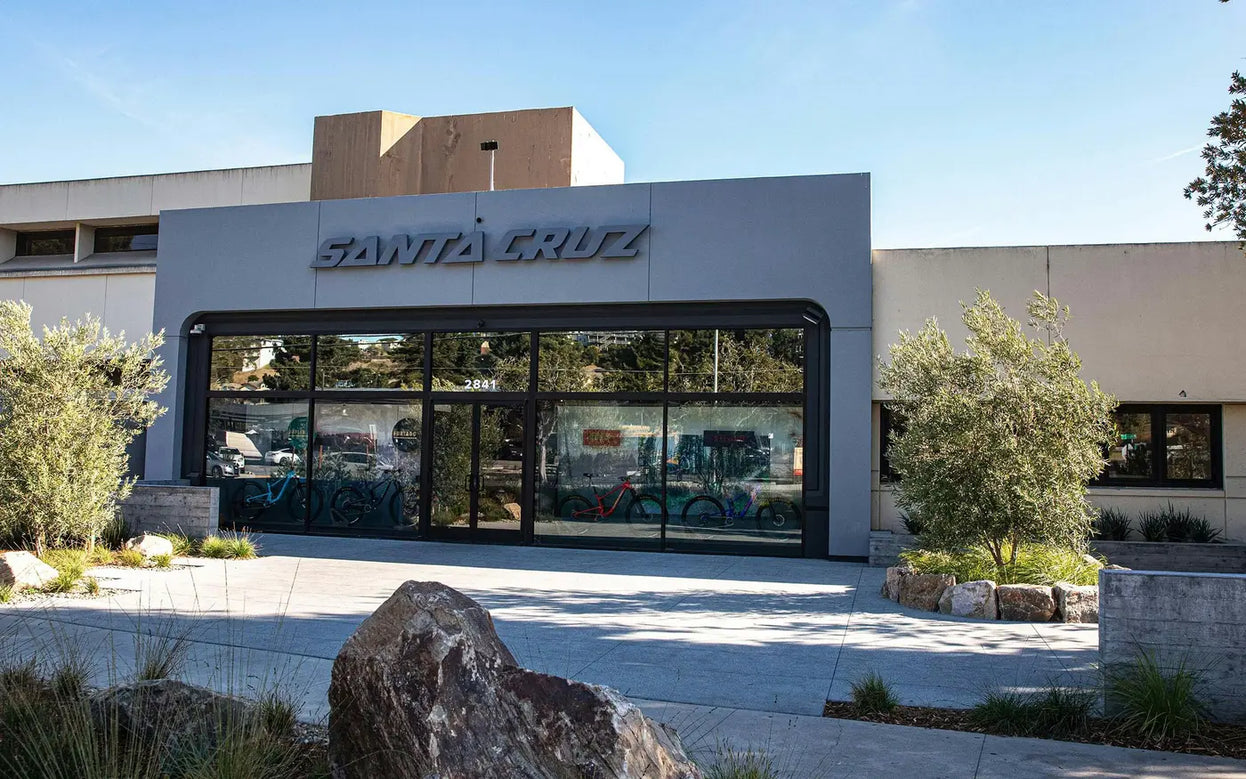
(1154,702)
(1112,525)
(1030,564)
(871,694)
(228,546)
(999,442)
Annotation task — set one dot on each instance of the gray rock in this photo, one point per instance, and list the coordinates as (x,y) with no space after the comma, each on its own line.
(1076,603)
(891,586)
(22,569)
(151,545)
(970,599)
(923,590)
(426,688)
(180,717)
(1025,602)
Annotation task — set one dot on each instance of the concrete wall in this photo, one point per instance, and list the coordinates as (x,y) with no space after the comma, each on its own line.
(809,236)
(172,508)
(1149,321)
(124,301)
(1166,556)
(1198,619)
(60,202)
(593,162)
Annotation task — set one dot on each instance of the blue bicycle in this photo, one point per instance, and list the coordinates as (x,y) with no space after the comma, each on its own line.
(256,497)
(775,517)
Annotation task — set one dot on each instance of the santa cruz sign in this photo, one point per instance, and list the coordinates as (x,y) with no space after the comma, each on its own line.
(615,242)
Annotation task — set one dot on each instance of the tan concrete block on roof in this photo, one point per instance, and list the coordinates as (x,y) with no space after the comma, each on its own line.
(365,154)
(535,150)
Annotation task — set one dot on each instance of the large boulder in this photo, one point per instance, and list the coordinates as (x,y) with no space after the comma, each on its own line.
(22,569)
(923,590)
(179,717)
(426,688)
(970,599)
(1076,603)
(151,545)
(891,585)
(1025,602)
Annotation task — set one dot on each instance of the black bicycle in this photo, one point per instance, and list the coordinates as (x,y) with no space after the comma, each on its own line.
(351,503)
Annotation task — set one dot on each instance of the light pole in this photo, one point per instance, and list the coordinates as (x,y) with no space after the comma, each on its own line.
(492,148)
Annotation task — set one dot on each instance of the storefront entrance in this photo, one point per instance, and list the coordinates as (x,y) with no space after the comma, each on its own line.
(688,428)
(477,471)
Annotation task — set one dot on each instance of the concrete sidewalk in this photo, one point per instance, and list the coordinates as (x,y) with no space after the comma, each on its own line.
(746,643)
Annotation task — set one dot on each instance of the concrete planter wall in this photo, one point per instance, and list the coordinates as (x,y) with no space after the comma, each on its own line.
(1195,619)
(172,507)
(1166,556)
(886,546)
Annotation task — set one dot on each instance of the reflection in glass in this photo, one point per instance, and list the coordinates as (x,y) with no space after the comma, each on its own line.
(452,465)
(481,362)
(1188,449)
(734,474)
(601,361)
(370,362)
(366,458)
(256,362)
(737,360)
(1129,456)
(598,473)
(256,455)
(501,467)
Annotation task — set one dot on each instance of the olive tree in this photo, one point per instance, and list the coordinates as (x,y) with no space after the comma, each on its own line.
(70,402)
(999,441)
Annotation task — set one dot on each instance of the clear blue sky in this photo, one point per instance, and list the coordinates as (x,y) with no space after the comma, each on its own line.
(983,122)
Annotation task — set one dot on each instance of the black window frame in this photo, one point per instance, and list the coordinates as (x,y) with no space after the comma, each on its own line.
(1159,439)
(24,240)
(124,231)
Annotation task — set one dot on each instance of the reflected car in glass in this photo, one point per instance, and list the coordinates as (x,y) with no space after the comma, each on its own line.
(220,468)
(284,456)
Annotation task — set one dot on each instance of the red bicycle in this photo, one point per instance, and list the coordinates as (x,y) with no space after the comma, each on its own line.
(640,508)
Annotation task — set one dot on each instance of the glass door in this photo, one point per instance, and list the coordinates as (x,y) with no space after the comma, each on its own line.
(477,471)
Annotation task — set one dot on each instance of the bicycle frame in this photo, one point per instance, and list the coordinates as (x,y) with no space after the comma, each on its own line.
(600,510)
(729,509)
(267,498)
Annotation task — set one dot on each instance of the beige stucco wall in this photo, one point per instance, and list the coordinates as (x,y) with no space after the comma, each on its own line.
(124,301)
(1148,320)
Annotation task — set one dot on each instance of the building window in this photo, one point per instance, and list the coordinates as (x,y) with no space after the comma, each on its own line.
(889,420)
(1165,446)
(45,243)
(132,238)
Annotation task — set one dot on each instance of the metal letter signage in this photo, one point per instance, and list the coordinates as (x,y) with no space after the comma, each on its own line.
(613,242)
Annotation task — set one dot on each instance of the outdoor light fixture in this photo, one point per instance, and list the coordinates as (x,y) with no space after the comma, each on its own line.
(491,147)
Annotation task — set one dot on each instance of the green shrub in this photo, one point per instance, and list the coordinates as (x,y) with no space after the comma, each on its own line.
(1006,713)
(129,558)
(1153,526)
(92,585)
(1179,523)
(100,555)
(730,763)
(1156,703)
(1035,564)
(115,532)
(1112,525)
(71,562)
(871,694)
(71,400)
(229,546)
(1201,532)
(6,593)
(1000,442)
(912,523)
(162,560)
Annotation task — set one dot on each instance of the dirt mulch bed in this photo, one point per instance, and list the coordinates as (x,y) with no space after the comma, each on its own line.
(1214,740)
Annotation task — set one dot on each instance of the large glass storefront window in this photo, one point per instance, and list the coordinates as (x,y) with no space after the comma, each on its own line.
(648,439)
(366,471)
(734,474)
(256,453)
(598,473)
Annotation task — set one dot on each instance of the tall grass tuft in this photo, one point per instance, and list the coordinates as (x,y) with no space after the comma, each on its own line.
(1049,713)
(129,558)
(1153,526)
(229,546)
(1006,713)
(6,593)
(730,763)
(1156,703)
(160,653)
(1036,564)
(183,545)
(115,533)
(871,694)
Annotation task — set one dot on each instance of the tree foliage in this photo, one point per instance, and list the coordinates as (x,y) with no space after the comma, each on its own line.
(70,402)
(1000,441)
(1221,190)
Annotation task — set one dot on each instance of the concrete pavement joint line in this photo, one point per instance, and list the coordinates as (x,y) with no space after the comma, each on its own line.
(977,766)
(843,639)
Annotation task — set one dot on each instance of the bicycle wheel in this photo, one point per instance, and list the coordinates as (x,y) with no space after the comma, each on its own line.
(349,505)
(646,510)
(404,507)
(298,501)
(250,502)
(574,510)
(701,512)
(778,518)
